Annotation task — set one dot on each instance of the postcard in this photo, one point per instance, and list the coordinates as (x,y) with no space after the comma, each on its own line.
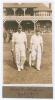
(27,50)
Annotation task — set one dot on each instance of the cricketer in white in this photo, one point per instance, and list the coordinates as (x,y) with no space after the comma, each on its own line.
(36,49)
(19,45)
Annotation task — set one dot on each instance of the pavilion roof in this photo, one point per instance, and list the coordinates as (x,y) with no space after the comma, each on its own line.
(37,6)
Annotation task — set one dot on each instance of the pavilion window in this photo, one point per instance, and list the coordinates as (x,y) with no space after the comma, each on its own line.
(29,11)
(9,11)
(19,12)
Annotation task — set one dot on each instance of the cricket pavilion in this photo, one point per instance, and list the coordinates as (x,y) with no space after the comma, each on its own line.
(28,15)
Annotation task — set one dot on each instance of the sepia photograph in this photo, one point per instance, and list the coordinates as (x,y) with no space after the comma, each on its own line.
(27,43)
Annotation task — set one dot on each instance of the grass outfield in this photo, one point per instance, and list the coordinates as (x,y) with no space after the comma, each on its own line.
(29,75)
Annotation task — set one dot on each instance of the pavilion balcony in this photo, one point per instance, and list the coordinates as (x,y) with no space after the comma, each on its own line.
(21,18)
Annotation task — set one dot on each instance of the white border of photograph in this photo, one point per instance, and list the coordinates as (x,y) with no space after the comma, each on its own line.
(1,48)
(53,45)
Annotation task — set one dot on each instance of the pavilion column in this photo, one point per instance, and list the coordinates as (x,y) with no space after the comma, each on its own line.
(35,21)
(14,9)
(34,13)
(24,9)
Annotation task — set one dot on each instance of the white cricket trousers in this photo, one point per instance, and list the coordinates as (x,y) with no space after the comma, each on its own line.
(36,56)
(20,56)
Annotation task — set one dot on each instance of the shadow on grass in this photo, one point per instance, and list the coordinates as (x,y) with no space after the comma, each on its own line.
(12,64)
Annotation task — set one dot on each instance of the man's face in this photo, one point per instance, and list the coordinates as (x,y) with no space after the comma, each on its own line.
(19,30)
(37,32)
